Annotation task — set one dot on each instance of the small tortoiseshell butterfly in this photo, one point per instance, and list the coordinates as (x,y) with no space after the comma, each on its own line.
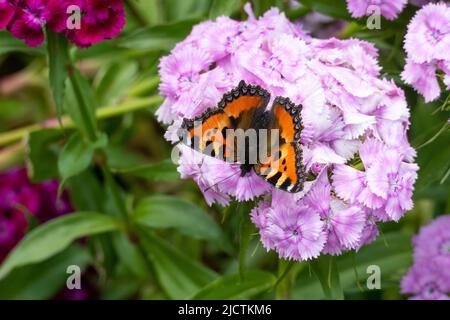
(245,108)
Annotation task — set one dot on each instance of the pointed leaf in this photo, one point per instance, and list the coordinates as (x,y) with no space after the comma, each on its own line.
(80,103)
(58,60)
(179,276)
(231,287)
(162,171)
(160,37)
(48,239)
(75,157)
(42,156)
(43,280)
(163,211)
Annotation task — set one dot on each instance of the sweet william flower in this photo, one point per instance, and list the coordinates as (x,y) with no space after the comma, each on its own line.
(31,15)
(25,19)
(386,184)
(343,223)
(432,244)
(349,112)
(388,8)
(429,277)
(7,10)
(427,44)
(100,20)
(294,231)
(19,198)
(428,35)
(425,282)
(192,164)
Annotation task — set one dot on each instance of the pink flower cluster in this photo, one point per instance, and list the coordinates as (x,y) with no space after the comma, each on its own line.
(354,139)
(427,45)
(429,277)
(98,19)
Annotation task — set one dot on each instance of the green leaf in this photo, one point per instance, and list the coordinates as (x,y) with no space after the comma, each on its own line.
(80,103)
(162,211)
(161,37)
(58,61)
(48,239)
(43,280)
(432,172)
(122,288)
(11,44)
(391,252)
(223,8)
(130,255)
(261,6)
(42,153)
(75,157)
(120,158)
(231,287)
(326,270)
(113,81)
(87,192)
(333,8)
(162,171)
(179,276)
(176,10)
(147,12)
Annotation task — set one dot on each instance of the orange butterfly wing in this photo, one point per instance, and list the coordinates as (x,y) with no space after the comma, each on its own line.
(237,110)
(283,167)
(244,108)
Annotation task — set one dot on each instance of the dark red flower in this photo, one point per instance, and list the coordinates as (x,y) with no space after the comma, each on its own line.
(31,15)
(100,20)
(20,197)
(7,10)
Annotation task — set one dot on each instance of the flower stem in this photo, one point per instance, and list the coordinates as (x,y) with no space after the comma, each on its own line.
(128,106)
(350,30)
(284,281)
(246,229)
(144,87)
(433,138)
(326,271)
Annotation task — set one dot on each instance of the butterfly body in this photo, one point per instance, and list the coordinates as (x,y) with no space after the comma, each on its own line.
(242,130)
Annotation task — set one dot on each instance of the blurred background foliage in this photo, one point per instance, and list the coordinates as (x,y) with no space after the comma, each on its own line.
(177,246)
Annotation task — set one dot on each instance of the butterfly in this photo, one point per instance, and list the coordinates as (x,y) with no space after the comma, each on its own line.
(243,110)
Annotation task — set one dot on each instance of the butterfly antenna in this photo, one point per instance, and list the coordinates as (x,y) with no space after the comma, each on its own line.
(224,179)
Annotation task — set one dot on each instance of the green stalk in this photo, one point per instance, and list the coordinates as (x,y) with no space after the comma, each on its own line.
(128,106)
(83,107)
(144,87)
(326,270)
(442,130)
(284,281)
(246,230)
